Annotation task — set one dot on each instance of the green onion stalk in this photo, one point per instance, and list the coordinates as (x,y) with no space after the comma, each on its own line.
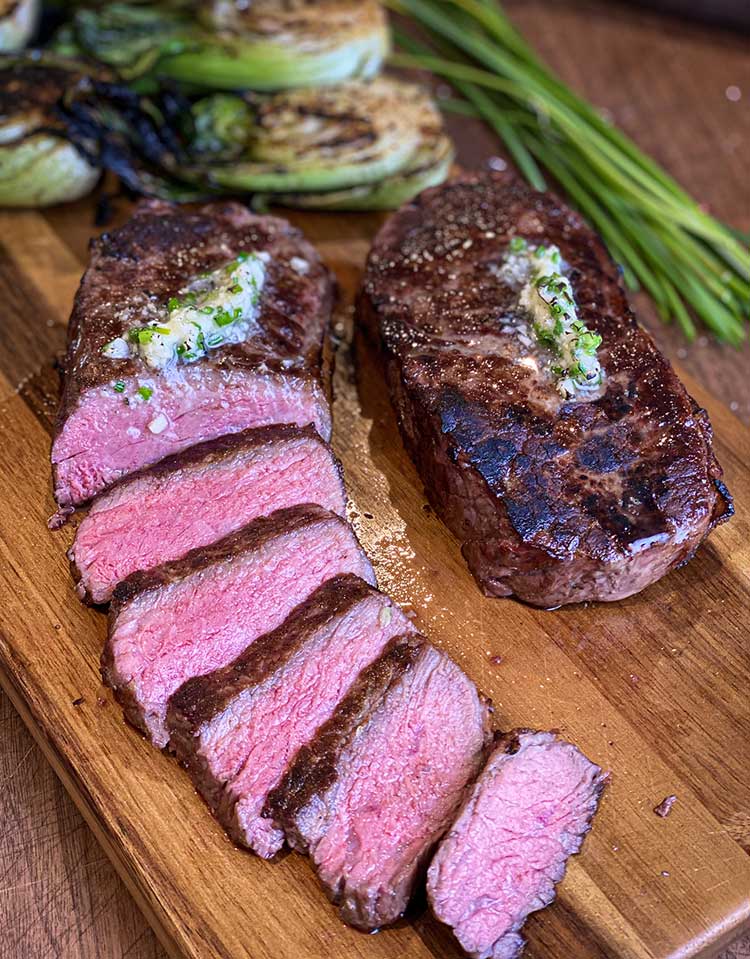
(693,266)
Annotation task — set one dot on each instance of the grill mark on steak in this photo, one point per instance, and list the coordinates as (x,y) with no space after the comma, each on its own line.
(554,501)
(528,812)
(148,260)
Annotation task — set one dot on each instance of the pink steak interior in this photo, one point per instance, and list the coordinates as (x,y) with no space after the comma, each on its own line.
(160,518)
(105,438)
(204,621)
(527,814)
(402,780)
(253,741)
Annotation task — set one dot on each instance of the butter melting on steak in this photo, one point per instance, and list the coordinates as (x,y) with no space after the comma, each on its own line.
(555,498)
(528,812)
(157,362)
(237,729)
(370,796)
(196,614)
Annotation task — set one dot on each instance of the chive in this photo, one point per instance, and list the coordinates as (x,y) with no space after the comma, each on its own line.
(119,387)
(686,259)
(517,244)
(145,392)
(235,289)
(173,304)
(222,317)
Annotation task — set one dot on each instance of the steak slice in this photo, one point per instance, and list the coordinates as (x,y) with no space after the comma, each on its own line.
(196,614)
(118,415)
(237,729)
(555,500)
(527,813)
(195,497)
(370,796)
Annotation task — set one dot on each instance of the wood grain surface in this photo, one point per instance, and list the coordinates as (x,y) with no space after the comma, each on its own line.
(656,687)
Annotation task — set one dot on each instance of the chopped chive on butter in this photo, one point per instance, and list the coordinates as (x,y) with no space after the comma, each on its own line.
(546,297)
(196,319)
(145,392)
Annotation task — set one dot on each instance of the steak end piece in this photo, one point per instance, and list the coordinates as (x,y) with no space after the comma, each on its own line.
(196,614)
(118,415)
(370,796)
(237,729)
(554,500)
(528,812)
(198,496)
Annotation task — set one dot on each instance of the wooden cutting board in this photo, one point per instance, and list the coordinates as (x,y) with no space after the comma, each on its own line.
(654,688)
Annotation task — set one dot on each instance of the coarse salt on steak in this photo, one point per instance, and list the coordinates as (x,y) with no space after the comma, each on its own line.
(198,496)
(239,727)
(198,613)
(559,494)
(527,813)
(370,796)
(158,360)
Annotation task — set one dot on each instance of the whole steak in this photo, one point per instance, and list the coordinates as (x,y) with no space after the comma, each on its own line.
(555,498)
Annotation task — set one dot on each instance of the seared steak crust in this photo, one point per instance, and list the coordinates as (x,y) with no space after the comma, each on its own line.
(247,539)
(371,795)
(315,768)
(554,501)
(147,261)
(200,699)
(201,703)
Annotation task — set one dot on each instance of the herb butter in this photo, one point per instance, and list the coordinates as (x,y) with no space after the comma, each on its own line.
(215,309)
(546,297)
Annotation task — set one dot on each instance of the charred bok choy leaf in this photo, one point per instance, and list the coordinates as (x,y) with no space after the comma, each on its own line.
(18,21)
(263,45)
(39,165)
(380,141)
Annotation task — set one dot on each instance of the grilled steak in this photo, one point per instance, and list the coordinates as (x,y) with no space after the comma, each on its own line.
(238,728)
(556,499)
(195,497)
(197,614)
(528,812)
(120,411)
(372,793)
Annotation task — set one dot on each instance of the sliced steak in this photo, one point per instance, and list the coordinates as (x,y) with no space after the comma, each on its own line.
(237,729)
(375,790)
(198,496)
(555,500)
(196,614)
(120,414)
(527,813)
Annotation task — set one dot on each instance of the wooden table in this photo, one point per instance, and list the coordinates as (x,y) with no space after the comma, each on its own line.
(662,81)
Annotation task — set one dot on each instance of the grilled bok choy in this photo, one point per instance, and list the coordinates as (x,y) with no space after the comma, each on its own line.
(18,20)
(39,165)
(359,135)
(427,166)
(263,45)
